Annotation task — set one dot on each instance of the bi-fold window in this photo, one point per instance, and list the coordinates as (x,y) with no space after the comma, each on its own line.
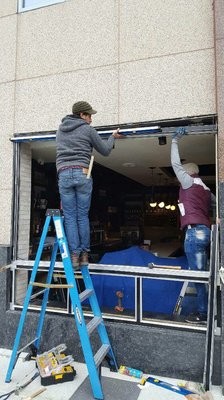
(140,299)
(26,5)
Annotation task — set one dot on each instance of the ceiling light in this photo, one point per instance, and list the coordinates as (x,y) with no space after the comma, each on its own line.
(152,203)
(128,165)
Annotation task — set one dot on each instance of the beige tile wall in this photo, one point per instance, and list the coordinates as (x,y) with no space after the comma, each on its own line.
(42,102)
(8,7)
(219,15)
(219,29)
(134,61)
(5,216)
(69,36)
(8,48)
(6,160)
(168,87)
(152,28)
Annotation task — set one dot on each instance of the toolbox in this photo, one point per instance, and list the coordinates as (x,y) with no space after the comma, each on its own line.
(55,366)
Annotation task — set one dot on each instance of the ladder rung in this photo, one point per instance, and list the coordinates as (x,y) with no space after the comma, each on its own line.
(27,345)
(64,276)
(59,276)
(37,294)
(93,324)
(101,353)
(51,285)
(85,294)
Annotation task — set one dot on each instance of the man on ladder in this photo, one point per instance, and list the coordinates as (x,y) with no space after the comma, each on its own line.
(75,140)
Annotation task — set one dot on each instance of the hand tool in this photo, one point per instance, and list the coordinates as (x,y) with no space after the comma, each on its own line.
(35,394)
(169,386)
(152,265)
(19,387)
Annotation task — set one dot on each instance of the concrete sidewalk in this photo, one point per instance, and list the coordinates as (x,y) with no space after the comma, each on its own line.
(115,386)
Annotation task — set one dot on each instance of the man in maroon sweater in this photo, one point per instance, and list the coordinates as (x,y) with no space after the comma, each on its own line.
(195,203)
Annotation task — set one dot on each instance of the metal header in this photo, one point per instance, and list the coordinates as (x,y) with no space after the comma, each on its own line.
(194,125)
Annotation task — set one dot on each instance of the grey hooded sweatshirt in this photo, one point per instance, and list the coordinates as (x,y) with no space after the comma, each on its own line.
(75,140)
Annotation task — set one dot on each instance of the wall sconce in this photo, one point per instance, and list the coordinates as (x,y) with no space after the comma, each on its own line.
(162,140)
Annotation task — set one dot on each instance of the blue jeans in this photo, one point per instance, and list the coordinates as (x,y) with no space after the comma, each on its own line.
(76,191)
(196,244)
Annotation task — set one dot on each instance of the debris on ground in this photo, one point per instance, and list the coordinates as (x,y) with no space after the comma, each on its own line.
(198,389)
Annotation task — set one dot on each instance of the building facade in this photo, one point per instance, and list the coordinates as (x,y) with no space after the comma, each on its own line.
(135,63)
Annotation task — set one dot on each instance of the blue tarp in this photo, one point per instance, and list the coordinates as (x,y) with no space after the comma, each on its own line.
(159,296)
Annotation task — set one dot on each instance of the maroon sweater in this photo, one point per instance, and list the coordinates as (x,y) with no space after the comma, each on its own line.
(197,202)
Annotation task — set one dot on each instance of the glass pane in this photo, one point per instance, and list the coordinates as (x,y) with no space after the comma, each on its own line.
(58,298)
(30,4)
(116,296)
(159,299)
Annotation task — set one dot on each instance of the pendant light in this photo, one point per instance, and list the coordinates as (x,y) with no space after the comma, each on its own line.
(152,202)
(161,203)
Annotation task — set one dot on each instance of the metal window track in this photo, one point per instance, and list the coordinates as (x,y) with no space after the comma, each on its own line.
(130,131)
(126,270)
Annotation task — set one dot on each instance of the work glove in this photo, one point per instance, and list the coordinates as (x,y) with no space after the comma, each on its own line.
(179,133)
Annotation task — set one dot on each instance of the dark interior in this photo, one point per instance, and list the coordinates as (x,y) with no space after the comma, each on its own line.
(120,214)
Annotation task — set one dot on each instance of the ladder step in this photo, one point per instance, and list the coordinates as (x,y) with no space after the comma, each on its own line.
(101,353)
(64,276)
(92,325)
(50,285)
(85,294)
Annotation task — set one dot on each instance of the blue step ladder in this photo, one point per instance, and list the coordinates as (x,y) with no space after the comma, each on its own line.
(93,362)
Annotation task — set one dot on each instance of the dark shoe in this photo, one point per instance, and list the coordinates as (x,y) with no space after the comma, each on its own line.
(196,318)
(75,260)
(84,259)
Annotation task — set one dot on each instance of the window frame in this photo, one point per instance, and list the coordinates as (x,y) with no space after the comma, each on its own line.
(139,311)
(37,4)
(136,273)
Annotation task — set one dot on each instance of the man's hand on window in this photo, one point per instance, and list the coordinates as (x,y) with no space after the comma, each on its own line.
(179,133)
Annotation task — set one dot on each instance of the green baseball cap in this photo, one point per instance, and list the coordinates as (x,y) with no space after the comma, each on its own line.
(83,107)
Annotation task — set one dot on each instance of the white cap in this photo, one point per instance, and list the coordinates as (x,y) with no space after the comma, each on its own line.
(191,168)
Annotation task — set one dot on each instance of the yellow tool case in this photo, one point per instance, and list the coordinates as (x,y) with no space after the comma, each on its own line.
(55,366)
